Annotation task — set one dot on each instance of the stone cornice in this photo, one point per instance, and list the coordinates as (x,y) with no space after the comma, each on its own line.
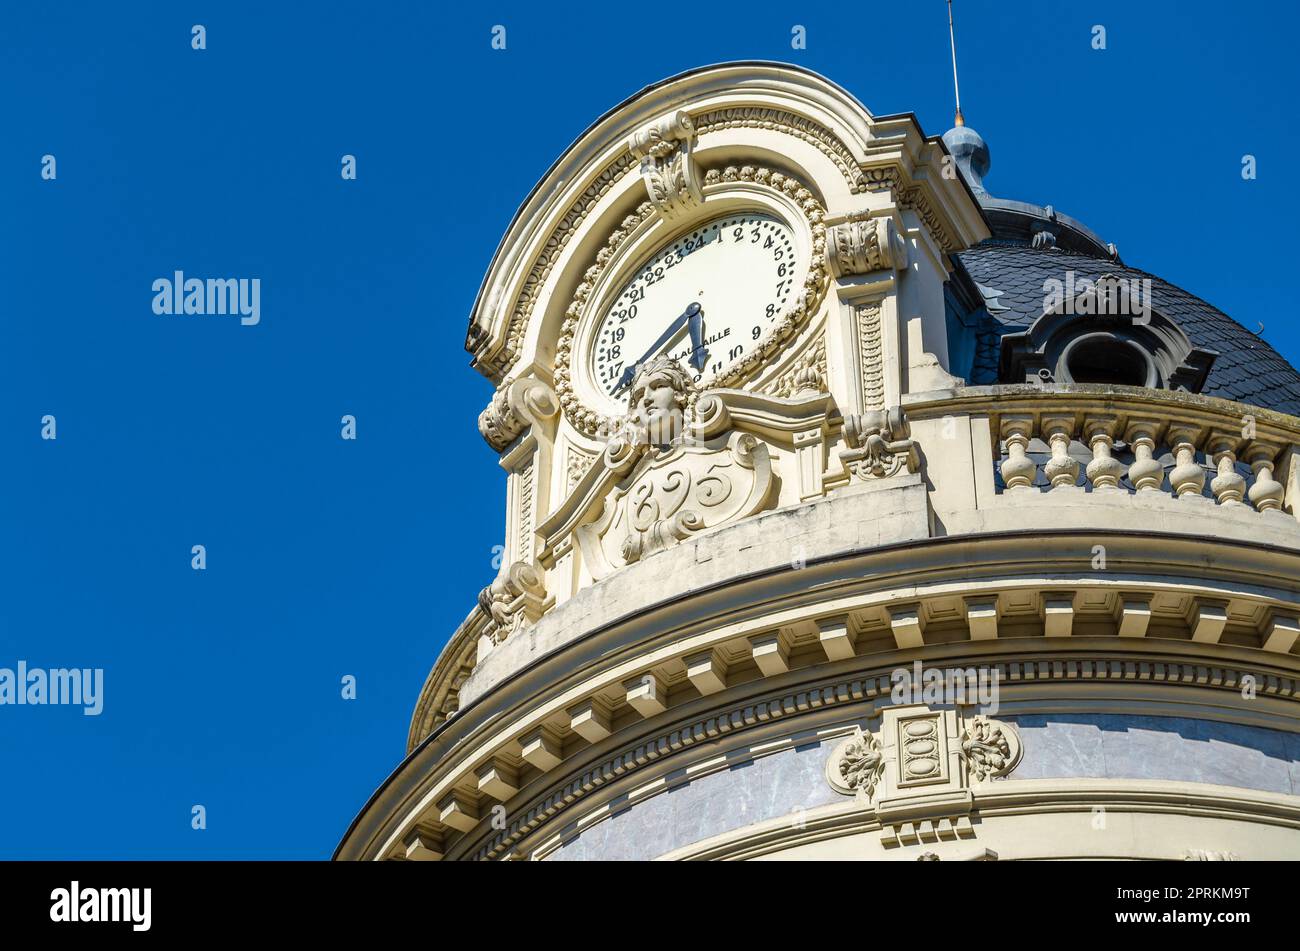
(768,716)
(1064,668)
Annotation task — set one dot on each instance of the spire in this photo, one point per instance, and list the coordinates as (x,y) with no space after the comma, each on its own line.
(967,147)
(958,119)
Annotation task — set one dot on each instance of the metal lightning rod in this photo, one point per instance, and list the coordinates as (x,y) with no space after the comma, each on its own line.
(952,42)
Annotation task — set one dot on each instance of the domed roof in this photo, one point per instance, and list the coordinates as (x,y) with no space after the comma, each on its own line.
(1031,245)
(1011,275)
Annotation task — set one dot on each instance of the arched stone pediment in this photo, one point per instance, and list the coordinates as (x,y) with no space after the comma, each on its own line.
(742,112)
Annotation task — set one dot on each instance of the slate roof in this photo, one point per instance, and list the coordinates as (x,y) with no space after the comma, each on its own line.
(1247,370)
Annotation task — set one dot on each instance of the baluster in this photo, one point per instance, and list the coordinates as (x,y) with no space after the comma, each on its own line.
(1061,470)
(1146,473)
(1229,486)
(1188,477)
(1105,470)
(1266,494)
(1018,470)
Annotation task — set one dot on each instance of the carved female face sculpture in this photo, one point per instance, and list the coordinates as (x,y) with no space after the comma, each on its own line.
(659,395)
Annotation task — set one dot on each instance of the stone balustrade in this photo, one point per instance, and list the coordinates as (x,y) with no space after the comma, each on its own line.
(1080,438)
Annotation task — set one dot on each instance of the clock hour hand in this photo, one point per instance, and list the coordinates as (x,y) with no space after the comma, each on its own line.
(690,314)
(696,323)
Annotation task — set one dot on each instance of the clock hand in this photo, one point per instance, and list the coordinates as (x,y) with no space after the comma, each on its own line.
(699,356)
(626,379)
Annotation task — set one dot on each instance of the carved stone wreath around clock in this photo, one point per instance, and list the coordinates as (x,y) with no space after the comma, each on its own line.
(594,423)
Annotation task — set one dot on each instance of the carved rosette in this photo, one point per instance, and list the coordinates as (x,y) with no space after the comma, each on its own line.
(879,445)
(989,749)
(516,597)
(592,423)
(857,765)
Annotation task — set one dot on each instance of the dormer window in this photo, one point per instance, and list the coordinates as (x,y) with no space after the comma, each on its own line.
(1104,332)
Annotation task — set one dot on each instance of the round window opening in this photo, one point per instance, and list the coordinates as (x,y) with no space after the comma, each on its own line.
(1102,358)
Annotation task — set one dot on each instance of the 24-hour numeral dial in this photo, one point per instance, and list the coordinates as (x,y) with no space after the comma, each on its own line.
(741,270)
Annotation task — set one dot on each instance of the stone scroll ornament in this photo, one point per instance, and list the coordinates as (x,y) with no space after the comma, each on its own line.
(515,598)
(679,471)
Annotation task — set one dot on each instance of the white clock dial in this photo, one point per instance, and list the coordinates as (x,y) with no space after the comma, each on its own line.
(706,299)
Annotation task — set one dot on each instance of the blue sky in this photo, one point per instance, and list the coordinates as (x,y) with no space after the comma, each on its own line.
(329,557)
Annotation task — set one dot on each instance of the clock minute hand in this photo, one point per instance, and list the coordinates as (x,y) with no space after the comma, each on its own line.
(690,312)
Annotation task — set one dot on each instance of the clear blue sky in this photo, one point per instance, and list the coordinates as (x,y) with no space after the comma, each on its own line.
(326,557)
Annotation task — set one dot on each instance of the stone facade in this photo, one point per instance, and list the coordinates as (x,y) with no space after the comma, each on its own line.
(725,560)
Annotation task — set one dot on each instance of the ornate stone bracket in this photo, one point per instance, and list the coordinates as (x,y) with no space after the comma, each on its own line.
(863,246)
(517,597)
(879,444)
(668,168)
(517,405)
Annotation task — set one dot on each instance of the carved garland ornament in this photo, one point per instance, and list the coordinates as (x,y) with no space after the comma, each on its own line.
(758,117)
(592,423)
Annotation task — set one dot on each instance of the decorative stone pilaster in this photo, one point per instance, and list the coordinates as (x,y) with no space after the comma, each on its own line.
(921,771)
(922,747)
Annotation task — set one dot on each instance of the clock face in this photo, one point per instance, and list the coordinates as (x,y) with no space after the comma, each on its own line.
(705,299)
